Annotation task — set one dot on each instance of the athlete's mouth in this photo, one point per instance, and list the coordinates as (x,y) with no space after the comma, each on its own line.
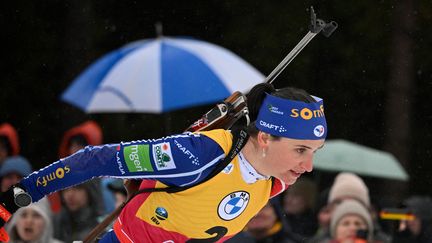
(296,174)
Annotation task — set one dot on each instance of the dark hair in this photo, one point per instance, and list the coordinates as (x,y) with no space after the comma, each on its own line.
(5,143)
(256,96)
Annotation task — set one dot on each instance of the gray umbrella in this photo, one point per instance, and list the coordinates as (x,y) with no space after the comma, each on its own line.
(341,155)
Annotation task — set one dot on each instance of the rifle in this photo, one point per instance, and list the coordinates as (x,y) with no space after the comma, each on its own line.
(225,114)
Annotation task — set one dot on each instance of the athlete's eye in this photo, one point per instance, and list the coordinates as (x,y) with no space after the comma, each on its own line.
(300,150)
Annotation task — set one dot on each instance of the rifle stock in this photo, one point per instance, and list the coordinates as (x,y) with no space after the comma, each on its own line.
(223,115)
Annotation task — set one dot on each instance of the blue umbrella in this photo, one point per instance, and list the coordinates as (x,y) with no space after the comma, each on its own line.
(159,75)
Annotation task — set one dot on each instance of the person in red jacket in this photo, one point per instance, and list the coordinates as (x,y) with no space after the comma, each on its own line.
(74,139)
(9,142)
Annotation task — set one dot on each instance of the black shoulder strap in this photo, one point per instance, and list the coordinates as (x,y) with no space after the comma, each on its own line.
(240,137)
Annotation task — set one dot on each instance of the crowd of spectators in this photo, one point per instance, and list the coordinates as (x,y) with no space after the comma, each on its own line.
(65,216)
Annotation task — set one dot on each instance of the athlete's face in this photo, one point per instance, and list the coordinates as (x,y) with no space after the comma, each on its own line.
(287,159)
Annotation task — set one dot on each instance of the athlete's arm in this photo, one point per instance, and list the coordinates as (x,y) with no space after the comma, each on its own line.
(175,160)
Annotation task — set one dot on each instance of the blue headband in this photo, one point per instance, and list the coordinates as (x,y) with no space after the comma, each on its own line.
(292,119)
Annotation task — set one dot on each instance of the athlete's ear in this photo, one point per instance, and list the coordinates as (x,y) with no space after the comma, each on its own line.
(263,139)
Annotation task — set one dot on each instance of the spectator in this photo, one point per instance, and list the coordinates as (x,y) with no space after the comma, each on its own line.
(298,205)
(347,186)
(32,224)
(13,170)
(265,227)
(351,222)
(78,137)
(418,230)
(9,143)
(80,212)
(119,191)
(324,216)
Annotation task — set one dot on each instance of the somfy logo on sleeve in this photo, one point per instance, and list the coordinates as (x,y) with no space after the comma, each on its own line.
(163,157)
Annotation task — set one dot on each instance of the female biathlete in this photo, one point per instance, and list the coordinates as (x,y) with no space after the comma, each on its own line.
(288,127)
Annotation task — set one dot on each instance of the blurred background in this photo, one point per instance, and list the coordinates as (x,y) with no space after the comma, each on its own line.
(374,72)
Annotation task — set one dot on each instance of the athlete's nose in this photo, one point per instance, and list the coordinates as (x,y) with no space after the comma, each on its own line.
(307,165)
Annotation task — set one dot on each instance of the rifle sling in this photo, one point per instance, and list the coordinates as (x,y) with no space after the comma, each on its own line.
(240,137)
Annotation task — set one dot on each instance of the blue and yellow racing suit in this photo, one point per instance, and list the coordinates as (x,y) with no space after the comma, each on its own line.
(212,211)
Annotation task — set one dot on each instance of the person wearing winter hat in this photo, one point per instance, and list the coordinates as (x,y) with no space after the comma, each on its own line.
(77,138)
(74,139)
(348,220)
(32,224)
(13,170)
(346,185)
(349,185)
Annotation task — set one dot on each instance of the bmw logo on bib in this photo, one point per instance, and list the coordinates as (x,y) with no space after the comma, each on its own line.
(233,205)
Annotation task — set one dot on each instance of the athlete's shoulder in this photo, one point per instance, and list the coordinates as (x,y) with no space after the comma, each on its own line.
(221,137)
